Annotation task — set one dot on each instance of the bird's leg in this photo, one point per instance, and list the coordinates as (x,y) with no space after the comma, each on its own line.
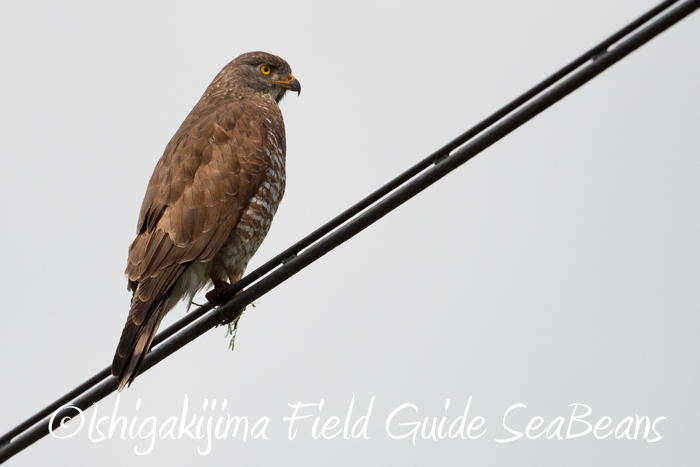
(220,286)
(233,280)
(214,296)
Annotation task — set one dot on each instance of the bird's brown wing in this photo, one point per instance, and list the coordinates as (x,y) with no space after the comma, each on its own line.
(195,198)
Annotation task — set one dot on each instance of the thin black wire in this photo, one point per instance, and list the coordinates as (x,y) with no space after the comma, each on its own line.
(354,210)
(292,261)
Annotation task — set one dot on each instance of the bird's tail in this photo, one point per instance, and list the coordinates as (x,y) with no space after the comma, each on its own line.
(150,303)
(134,344)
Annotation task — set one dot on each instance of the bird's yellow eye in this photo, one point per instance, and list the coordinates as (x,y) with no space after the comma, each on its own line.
(265,69)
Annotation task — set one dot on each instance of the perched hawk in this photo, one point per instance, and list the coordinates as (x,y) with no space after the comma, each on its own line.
(210,200)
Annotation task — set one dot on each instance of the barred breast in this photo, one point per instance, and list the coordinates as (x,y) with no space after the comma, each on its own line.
(255,222)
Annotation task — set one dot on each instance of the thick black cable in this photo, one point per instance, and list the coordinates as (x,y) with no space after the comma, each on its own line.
(444,163)
(354,210)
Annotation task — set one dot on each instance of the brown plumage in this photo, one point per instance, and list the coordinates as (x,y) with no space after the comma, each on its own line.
(210,200)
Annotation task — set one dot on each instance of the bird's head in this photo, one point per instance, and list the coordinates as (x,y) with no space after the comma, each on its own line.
(260,72)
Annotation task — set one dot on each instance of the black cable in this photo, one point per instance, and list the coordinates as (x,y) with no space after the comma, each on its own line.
(354,210)
(293,260)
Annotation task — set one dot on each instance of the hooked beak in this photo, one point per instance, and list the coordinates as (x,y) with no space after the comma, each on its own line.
(290,84)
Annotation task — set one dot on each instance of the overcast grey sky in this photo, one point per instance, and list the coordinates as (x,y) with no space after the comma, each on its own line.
(560,266)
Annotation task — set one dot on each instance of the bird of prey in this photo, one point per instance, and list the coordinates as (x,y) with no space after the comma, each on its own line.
(210,200)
